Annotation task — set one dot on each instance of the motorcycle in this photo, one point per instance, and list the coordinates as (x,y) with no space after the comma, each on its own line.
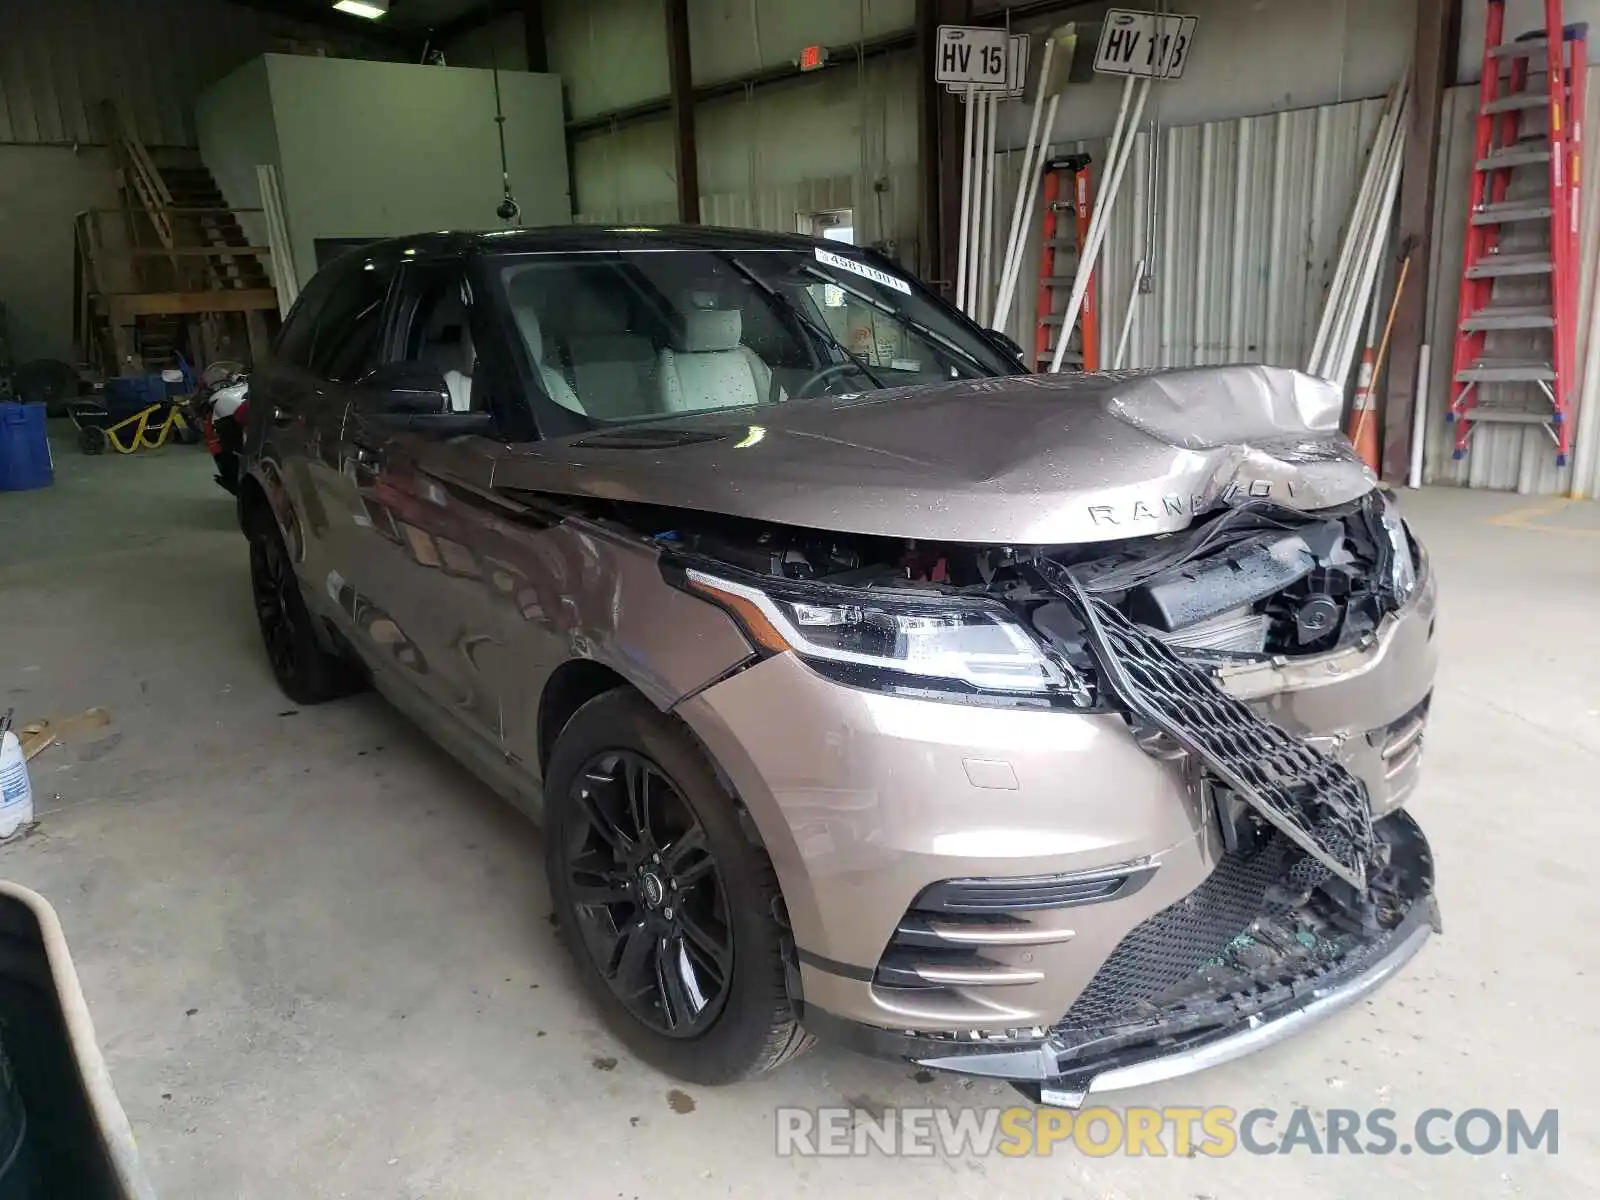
(221,407)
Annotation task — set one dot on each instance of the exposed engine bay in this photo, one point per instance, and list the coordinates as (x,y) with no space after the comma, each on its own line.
(1258,579)
(1133,626)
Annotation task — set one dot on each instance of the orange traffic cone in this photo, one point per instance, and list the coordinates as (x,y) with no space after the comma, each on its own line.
(1363,432)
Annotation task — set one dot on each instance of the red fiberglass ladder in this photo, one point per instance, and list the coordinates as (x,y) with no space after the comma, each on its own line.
(1516,286)
(1063,243)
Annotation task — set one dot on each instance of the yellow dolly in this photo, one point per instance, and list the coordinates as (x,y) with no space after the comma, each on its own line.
(99,427)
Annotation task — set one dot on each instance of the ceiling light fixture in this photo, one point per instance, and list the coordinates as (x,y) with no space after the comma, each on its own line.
(371,9)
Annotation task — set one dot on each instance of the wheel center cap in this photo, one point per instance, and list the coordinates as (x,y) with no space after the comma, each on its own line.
(651,889)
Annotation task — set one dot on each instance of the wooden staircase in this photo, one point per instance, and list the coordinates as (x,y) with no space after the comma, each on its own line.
(169,271)
(201,217)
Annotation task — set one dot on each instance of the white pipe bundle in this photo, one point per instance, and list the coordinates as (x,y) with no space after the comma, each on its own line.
(1054,67)
(981,311)
(966,201)
(1341,355)
(1120,152)
(1366,236)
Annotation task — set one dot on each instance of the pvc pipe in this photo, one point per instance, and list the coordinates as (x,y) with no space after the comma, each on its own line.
(1359,219)
(1357,230)
(1085,268)
(1097,226)
(1032,166)
(1127,316)
(986,244)
(1002,308)
(980,125)
(1342,311)
(966,201)
(1346,329)
(1419,415)
(1369,271)
(1586,437)
(1344,308)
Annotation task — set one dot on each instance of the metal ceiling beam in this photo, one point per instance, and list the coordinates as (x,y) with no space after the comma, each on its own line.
(837,56)
(1437,33)
(533,38)
(680,71)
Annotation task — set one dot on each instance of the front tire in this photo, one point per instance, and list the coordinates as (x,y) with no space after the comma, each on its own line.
(668,909)
(306,673)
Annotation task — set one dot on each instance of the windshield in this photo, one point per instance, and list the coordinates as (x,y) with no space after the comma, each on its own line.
(632,335)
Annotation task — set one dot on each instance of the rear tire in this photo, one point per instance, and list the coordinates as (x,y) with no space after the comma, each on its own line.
(304,670)
(725,885)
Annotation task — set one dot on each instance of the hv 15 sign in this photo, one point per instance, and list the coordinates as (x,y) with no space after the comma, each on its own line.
(965,54)
(1144,43)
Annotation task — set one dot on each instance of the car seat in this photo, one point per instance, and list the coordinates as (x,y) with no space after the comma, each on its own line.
(554,383)
(707,366)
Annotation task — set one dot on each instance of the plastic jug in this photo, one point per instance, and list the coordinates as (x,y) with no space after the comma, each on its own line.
(16,793)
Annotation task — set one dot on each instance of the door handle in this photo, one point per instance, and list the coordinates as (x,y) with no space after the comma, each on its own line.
(279,417)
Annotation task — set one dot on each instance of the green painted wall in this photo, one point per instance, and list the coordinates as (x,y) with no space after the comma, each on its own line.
(233,124)
(41,187)
(372,149)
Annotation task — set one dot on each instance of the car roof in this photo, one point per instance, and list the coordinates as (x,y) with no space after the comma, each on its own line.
(568,239)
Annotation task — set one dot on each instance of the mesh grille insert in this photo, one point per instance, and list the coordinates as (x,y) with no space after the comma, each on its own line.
(1310,797)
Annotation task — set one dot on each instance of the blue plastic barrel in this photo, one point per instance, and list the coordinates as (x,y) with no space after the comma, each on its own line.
(24,448)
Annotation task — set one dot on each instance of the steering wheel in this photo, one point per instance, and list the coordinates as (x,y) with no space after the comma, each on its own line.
(825,374)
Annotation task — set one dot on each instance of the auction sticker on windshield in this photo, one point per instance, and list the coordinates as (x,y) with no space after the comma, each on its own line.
(861,269)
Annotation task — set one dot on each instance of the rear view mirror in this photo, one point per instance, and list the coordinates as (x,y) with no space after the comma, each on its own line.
(410,389)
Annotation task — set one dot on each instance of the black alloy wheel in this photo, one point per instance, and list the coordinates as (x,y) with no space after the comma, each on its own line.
(306,672)
(649,901)
(275,590)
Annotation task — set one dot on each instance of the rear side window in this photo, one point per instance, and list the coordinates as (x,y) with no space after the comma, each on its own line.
(299,328)
(349,327)
(336,325)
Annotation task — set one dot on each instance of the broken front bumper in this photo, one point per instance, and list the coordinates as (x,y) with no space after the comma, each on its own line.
(1114,1039)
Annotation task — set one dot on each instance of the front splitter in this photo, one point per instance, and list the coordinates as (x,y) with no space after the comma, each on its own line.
(1055,1074)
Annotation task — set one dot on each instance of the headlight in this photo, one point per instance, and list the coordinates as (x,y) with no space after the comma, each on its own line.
(964,647)
(1403,564)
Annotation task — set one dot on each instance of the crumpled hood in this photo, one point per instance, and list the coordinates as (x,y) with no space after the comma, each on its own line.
(1028,460)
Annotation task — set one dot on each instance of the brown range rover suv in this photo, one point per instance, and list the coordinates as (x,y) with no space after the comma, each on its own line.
(1048,728)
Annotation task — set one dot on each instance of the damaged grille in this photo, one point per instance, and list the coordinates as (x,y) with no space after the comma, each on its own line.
(1308,796)
(1172,946)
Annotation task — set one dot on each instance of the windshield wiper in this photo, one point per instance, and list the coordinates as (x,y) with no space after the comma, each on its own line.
(822,331)
(893,313)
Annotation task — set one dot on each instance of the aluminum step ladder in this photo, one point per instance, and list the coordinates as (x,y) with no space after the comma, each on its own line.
(1520,270)
(1065,226)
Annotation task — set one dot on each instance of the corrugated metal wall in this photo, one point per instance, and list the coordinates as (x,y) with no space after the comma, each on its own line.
(1243,218)
(60,58)
(1503,457)
(843,139)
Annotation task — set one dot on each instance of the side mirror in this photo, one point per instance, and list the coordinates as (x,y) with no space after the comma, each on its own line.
(404,389)
(1008,345)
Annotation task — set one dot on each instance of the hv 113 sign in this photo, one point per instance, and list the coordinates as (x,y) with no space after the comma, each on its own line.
(1144,43)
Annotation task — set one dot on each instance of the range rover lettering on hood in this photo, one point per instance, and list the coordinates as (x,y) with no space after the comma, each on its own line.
(1021,460)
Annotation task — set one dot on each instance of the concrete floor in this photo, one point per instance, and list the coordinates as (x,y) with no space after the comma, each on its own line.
(317,953)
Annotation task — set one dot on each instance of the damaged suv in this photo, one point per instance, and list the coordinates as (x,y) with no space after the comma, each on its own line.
(1048,728)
